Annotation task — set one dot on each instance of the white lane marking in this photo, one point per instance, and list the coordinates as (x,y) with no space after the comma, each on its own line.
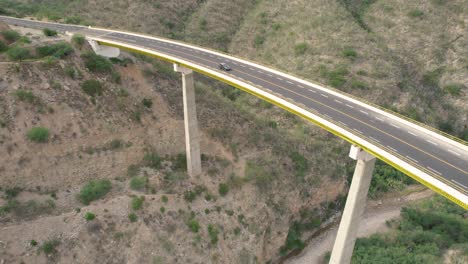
(300,86)
(364,112)
(380,119)
(409,132)
(327,116)
(324,95)
(279,78)
(349,106)
(269,75)
(252,69)
(259,71)
(412,159)
(434,170)
(432,142)
(289,82)
(312,91)
(359,131)
(375,139)
(342,123)
(235,63)
(392,148)
(131,40)
(243,66)
(458,154)
(459,184)
(393,125)
(338,101)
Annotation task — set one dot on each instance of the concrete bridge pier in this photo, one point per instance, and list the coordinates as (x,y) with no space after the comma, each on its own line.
(355,205)
(106,51)
(192,137)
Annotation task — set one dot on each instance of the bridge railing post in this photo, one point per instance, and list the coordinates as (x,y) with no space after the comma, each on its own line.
(354,208)
(192,137)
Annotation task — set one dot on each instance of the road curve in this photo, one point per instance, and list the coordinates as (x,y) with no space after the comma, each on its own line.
(437,161)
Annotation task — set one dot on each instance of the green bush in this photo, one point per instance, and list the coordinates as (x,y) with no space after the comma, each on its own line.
(147,102)
(301,48)
(94,190)
(259,40)
(26,96)
(58,50)
(223,189)
(164,199)
(49,32)
(138,183)
(33,243)
(454,89)
(137,202)
(293,239)
(416,13)
(162,209)
(18,53)
(193,225)
(89,216)
(423,234)
(49,247)
(38,134)
(213,233)
(97,63)
(132,217)
(152,160)
(301,165)
(349,53)
(78,40)
(3,46)
(11,35)
(92,87)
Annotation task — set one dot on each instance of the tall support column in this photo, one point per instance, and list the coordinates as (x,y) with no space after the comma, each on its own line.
(355,205)
(192,137)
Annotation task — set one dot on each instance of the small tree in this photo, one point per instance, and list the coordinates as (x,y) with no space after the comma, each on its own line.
(18,53)
(11,35)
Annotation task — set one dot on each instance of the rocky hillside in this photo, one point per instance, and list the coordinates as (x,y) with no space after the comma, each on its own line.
(269,180)
(94,158)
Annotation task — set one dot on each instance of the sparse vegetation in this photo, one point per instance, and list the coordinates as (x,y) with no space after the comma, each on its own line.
(58,50)
(416,13)
(193,225)
(132,217)
(92,87)
(454,89)
(38,134)
(137,202)
(301,48)
(50,247)
(94,190)
(49,32)
(18,53)
(349,53)
(3,46)
(89,216)
(78,40)
(11,35)
(139,183)
(146,102)
(213,233)
(96,63)
(223,189)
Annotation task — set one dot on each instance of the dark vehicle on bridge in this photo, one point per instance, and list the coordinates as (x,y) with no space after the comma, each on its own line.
(224,66)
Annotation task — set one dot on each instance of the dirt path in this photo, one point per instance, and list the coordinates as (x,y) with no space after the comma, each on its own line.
(375,216)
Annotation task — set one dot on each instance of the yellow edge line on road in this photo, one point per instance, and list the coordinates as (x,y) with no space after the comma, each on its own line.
(431,186)
(300,77)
